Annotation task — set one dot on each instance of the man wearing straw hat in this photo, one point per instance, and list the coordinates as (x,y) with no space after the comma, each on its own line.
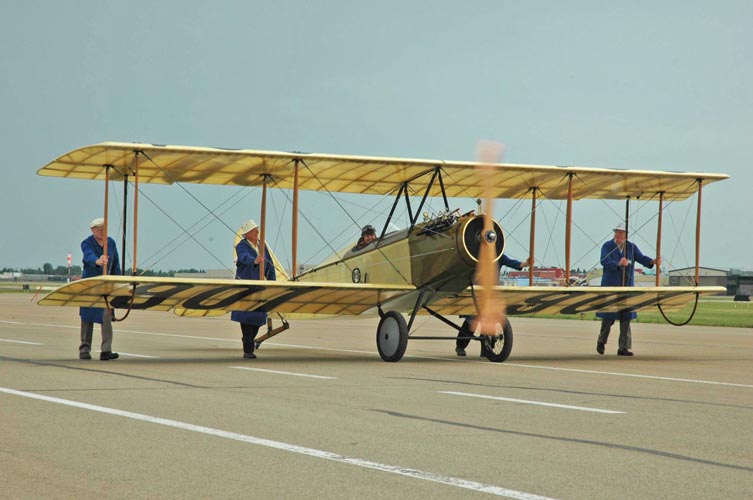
(247,268)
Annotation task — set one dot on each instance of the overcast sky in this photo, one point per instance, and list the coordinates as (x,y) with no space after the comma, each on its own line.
(648,85)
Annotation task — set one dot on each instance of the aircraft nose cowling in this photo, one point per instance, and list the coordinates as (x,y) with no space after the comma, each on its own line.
(445,256)
(471,236)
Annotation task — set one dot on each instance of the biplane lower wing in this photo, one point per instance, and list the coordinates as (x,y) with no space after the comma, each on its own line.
(197,297)
(575,300)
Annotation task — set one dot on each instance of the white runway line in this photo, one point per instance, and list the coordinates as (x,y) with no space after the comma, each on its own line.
(137,355)
(312,452)
(539,403)
(283,373)
(20,342)
(11,322)
(618,374)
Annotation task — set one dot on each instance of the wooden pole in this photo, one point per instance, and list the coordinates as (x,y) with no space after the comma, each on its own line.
(532,236)
(568,228)
(295,221)
(658,238)
(627,228)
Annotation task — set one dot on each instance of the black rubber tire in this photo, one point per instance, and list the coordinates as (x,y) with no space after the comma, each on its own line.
(392,336)
(498,348)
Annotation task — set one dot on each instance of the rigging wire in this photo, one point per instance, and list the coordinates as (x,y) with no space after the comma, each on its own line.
(141,192)
(246,192)
(328,241)
(313,226)
(352,219)
(180,185)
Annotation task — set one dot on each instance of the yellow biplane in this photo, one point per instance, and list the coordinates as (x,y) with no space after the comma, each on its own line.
(426,268)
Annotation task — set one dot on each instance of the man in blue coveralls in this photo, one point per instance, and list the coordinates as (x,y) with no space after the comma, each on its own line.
(247,268)
(618,256)
(95,262)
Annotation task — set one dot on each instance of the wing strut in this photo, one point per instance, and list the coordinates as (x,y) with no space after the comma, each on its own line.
(125,220)
(658,238)
(295,220)
(262,244)
(426,193)
(532,237)
(568,227)
(392,211)
(134,271)
(403,191)
(106,267)
(698,234)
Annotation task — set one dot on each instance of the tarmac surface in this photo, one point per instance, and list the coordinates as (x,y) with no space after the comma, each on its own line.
(319,415)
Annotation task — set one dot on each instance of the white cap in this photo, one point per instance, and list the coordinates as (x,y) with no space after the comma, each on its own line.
(98,222)
(620,227)
(247,226)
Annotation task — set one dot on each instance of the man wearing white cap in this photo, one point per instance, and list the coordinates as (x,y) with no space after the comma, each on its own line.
(247,268)
(95,262)
(618,256)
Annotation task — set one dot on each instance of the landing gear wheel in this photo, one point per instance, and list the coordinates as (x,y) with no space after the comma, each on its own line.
(497,348)
(392,336)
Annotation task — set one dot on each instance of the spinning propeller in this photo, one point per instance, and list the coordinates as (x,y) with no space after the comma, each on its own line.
(490,304)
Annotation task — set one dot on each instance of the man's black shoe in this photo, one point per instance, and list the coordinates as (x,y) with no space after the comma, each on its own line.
(249,355)
(85,355)
(600,347)
(107,355)
(460,351)
(624,352)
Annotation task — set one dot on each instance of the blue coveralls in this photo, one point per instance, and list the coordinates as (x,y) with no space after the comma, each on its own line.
(614,275)
(90,315)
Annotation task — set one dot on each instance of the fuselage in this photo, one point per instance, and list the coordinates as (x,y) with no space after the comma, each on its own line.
(440,254)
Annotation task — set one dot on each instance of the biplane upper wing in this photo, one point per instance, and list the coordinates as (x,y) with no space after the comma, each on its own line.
(198,295)
(363,174)
(211,296)
(574,300)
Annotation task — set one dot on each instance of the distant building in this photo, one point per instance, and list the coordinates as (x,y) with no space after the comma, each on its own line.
(209,274)
(641,279)
(739,282)
(706,277)
(542,276)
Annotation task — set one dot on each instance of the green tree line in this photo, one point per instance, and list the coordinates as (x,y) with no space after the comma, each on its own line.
(75,270)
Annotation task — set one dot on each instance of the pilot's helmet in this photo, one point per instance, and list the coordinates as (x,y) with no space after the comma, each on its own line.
(368,229)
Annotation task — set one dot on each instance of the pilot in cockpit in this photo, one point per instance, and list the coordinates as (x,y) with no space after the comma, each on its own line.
(368,234)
